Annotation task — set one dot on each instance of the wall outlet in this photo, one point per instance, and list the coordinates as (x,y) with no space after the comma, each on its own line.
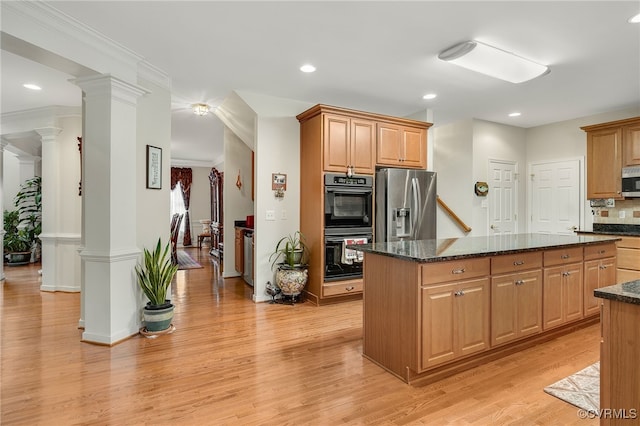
(622,214)
(271,215)
(283,214)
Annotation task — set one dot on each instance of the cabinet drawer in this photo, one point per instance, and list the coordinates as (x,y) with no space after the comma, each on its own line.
(455,270)
(599,251)
(341,288)
(629,258)
(562,256)
(516,262)
(629,242)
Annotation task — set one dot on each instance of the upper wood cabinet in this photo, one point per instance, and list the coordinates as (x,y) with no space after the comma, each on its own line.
(401,146)
(348,144)
(611,146)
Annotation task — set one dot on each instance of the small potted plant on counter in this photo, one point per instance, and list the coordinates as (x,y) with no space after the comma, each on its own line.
(154,278)
(291,273)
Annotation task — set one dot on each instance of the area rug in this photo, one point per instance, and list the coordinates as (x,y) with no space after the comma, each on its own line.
(186,262)
(581,389)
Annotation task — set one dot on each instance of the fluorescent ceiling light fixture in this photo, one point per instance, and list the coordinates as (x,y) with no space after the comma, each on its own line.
(494,62)
(200,109)
(32,86)
(515,114)
(430,96)
(635,19)
(307,68)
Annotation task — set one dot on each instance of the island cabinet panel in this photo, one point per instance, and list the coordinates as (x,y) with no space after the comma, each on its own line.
(599,271)
(562,295)
(563,256)
(628,259)
(455,320)
(516,306)
(516,262)
(455,270)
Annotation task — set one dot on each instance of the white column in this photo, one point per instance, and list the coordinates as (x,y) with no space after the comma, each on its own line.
(27,164)
(60,260)
(3,143)
(111,298)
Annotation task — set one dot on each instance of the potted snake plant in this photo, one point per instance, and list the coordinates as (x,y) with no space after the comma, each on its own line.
(154,277)
(292,271)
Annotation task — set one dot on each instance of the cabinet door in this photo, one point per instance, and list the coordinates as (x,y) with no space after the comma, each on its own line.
(336,143)
(414,147)
(389,144)
(597,273)
(552,297)
(437,324)
(529,303)
(631,145)
(503,309)
(471,316)
(604,163)
(239,251)
(573,289)
(362,151)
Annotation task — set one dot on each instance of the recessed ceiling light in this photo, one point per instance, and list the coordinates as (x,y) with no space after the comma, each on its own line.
(32,86)
(515,114)
(307,68)
(635,19)
(430,96)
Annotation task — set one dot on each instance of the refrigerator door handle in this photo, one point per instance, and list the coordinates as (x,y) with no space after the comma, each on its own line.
(415,187)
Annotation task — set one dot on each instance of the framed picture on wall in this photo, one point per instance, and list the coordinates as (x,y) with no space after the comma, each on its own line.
(154,167)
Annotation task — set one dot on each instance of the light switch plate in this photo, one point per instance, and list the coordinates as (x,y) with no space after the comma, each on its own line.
(271,215)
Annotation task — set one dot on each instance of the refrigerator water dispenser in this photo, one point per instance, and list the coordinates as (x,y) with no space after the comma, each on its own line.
(403,222)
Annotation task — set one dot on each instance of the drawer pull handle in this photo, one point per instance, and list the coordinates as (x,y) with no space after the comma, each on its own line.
(458,271)
(564,256)
(518,263)
(519,282)
(603,266)
(459,293)
(602,252)
(566,274)
(350,288)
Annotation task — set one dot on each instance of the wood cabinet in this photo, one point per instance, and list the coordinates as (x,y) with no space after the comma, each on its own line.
(401,146)
(562,286)
(455,320)
(628,259)
(610,146)
(348,144)
(334,140)
(599,271)
(239,250)
(619,354)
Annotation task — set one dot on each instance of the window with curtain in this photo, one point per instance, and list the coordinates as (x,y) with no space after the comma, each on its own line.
(177,206)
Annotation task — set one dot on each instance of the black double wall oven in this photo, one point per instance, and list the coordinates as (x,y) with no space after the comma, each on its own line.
(348,215)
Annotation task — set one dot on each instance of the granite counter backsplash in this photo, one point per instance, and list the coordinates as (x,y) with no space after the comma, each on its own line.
(616,229)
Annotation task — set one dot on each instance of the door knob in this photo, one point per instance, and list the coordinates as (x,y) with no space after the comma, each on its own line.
(572,228)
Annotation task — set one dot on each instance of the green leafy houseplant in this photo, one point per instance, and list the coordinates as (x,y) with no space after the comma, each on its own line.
(155,275)
(28,202)
(292,250)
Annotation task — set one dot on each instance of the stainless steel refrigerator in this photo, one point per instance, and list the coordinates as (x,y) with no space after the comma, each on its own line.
(405,205)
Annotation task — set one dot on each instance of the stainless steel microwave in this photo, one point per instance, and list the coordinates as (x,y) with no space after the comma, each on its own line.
(631,181)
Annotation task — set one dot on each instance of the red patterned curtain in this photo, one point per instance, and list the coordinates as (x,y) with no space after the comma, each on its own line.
(184,175)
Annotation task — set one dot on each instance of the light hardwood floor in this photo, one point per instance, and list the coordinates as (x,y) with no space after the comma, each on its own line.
(231,361)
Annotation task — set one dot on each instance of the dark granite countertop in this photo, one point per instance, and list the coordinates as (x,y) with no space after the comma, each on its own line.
(621,229)
(424,251)
(626,292)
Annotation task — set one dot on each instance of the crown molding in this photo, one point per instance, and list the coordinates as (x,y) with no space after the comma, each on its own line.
(153,74)
(29,119)
(177,162)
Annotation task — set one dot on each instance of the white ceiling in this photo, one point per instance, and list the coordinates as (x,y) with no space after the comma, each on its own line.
(373,56)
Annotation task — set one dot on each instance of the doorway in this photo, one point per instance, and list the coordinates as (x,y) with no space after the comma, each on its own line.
(556,200)
(503,197)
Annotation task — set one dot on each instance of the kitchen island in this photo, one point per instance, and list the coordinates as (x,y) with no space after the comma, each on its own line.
(435,307)
(619,353)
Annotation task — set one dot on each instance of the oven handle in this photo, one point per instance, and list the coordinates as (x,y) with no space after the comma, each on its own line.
(338,239)
(365,191)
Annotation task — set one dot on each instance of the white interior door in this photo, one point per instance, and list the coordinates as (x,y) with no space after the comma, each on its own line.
(503,197)
(555,197)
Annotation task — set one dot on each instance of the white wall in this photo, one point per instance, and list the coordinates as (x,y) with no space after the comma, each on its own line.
(237,203)
(153,127)
(462,152)
(11,179)
(69,220)
(565,140)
